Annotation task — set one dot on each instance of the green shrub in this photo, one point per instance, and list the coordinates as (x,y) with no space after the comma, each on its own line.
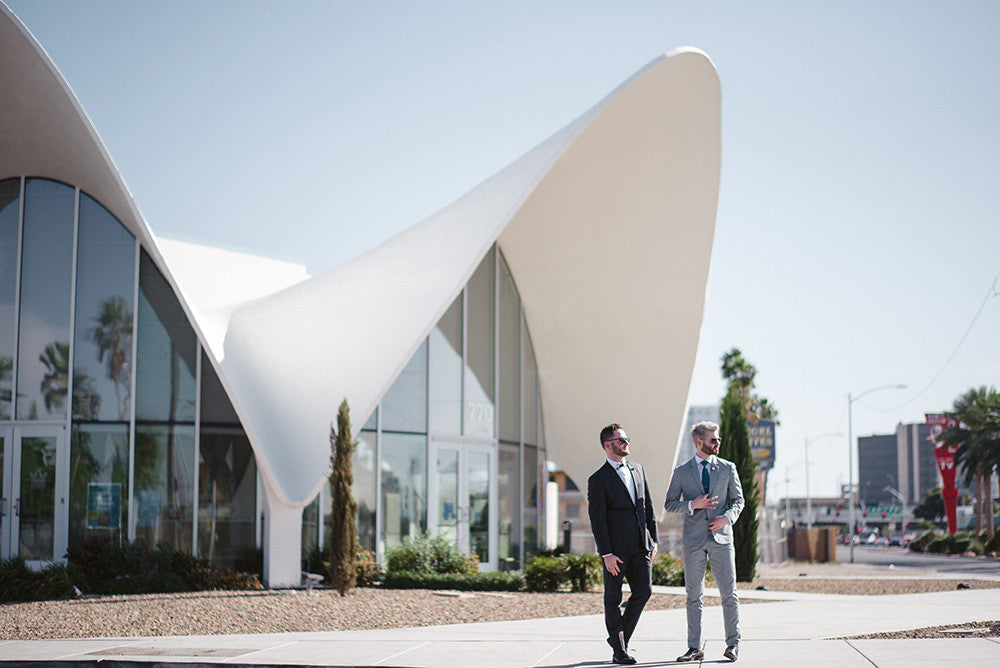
(582,570)
(369,572)
(101,566)
(668,571)
(545,574)
(939,545)
(921,544)
(426,554)
(19,583)
(960,543)
(993,545)
(976,547)
(495,581)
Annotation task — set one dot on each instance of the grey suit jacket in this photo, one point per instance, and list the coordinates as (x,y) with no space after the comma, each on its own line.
(685,485)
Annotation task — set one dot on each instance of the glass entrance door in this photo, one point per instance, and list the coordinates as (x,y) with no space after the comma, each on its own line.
(463,498)
(35,485)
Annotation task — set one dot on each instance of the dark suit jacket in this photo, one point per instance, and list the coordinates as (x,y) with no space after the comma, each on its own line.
(620,527)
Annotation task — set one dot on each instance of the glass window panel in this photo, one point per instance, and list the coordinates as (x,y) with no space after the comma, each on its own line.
(509,352)
(404,406)
(530,501)
(445,343)
(478,483)
(165,369)
(98,482)
(372,423)
(404,486)
(480,371)
(529,387)
(363,469)
(4,528)
(46,274)
(10,199)
(509,498)
(102,349)
(446,473)
(37,504)
(164,485)
(215,405)
(227,498)
(310,530)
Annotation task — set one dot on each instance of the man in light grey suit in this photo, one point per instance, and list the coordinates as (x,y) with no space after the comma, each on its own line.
(707,490)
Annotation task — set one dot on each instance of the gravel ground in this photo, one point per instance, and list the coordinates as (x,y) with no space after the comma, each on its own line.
(210,613)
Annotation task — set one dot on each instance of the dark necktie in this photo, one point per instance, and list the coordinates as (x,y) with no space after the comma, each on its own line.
(704,476)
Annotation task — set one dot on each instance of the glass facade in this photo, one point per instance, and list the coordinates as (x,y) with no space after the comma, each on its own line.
(94,341)
(470,470)
(10,214)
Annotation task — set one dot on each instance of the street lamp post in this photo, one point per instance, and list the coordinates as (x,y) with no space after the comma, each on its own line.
(850,458)
(809,510)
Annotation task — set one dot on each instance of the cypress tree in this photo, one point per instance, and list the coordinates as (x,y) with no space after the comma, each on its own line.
(343,573)
(736,448)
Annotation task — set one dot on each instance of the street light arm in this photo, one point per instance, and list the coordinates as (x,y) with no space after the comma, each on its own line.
(851,399)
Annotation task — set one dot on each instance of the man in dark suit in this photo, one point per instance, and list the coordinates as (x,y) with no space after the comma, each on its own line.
(621,517)
(707,491)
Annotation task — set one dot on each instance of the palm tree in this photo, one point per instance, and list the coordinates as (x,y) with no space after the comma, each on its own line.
(977,438)
(55,383)
(113,336)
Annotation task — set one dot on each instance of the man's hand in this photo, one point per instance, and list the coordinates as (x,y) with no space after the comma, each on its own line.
(611,563)
(652,555)
(705,501)
(717,523)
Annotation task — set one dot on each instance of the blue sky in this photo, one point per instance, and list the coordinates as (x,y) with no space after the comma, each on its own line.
(858,230)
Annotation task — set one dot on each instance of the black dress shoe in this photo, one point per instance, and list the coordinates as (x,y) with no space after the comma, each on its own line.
(692,655)
(623,659)
(732,653)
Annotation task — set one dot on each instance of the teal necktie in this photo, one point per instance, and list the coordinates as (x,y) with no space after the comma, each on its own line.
(704,476)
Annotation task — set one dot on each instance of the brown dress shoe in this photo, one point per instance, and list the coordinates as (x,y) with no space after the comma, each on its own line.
(732,653)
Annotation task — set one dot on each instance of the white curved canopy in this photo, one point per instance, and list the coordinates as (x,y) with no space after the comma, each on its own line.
(607,228)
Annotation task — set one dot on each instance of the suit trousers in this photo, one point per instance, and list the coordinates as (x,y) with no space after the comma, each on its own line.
(722,558)
(637,569)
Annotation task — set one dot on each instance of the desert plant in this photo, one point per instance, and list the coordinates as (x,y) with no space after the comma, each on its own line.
(668,570)
(582,570)
(427,554)
(343,574)
(545,574)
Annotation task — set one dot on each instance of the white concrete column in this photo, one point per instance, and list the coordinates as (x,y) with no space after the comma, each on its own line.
(282,543)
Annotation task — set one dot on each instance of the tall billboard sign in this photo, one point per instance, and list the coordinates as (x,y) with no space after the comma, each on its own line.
(945,455)
(762,443)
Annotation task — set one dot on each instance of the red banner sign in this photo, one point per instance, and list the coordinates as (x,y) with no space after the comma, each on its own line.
(945,455)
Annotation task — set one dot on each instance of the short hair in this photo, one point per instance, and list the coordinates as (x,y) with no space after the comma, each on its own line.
(702,428)
(607,431)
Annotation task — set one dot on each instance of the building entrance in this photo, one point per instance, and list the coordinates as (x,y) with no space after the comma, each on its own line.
(34,510)
(463,498)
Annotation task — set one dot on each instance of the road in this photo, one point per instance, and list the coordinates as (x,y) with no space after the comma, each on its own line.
(972,567)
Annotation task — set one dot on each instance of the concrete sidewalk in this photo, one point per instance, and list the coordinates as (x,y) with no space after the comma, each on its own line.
(789,630)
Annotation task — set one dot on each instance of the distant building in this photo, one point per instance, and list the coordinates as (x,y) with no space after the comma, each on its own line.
(918,473)
(903,462)
(877,469)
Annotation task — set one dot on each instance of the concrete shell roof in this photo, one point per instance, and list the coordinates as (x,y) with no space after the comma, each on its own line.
(607,227)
